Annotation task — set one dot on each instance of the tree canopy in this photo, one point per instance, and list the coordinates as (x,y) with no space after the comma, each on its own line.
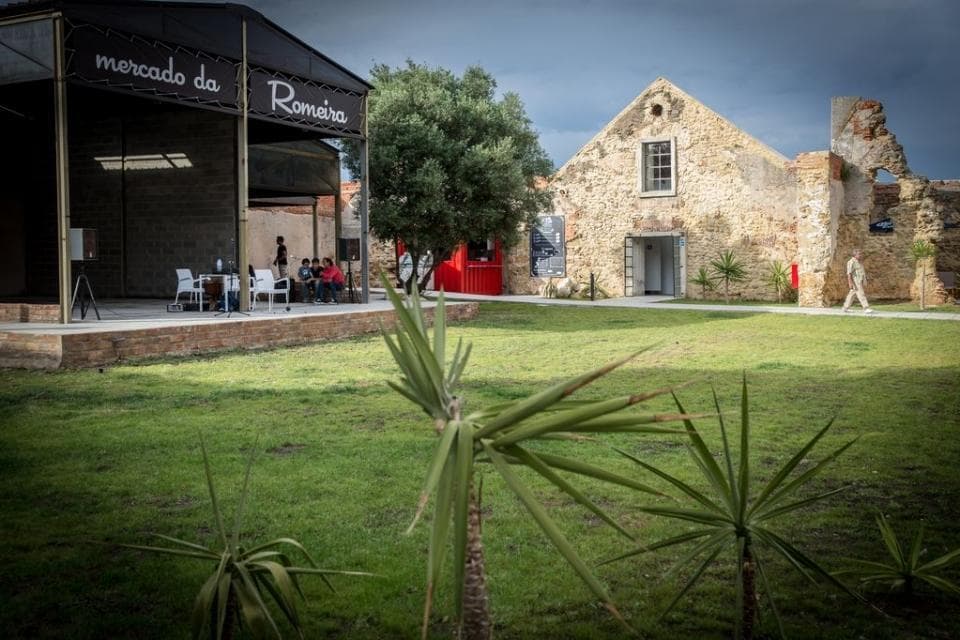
(449,163)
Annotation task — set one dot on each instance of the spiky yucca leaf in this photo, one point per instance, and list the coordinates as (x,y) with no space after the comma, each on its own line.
(733,514)
(903,569)
(243,578)
(500,436)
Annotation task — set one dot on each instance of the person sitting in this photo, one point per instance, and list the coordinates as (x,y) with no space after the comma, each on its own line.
(332,279)
(316,280)
(305,275)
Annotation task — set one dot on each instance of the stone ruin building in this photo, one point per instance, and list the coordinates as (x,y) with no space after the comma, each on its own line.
(668,184)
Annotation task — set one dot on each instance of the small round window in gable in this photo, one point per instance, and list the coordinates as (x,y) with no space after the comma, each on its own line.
(657,110)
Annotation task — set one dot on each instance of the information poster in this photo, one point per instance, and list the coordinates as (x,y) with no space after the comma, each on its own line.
(547,258)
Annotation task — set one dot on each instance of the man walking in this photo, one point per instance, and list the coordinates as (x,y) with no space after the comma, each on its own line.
(856,276)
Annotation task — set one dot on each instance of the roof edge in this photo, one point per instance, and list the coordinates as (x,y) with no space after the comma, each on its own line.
(42,7)
(661,81)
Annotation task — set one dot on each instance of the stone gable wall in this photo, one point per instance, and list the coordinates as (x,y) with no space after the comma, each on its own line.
(732,192)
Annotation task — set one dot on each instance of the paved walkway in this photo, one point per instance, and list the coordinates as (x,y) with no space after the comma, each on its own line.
(661,302)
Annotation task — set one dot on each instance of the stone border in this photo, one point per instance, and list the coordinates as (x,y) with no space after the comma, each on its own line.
(94,349)
(27,312)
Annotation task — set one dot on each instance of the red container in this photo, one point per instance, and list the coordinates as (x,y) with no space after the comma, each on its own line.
(462,275)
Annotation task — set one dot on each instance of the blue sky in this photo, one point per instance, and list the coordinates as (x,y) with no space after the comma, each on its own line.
(769,66)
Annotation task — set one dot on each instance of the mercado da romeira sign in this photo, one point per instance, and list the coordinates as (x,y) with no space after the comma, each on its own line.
(108,58)
(127,62)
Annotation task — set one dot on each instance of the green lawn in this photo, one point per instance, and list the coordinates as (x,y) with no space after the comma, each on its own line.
(883,305)
(88,456)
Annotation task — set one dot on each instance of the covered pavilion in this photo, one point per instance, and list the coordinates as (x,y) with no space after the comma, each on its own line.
(152,125)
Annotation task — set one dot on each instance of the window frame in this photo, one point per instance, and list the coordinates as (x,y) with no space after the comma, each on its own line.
(642,168)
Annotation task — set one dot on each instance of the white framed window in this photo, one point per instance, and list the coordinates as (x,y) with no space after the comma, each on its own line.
(657,160)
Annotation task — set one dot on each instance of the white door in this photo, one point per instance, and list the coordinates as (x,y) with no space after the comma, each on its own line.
(651,264)
(639,271)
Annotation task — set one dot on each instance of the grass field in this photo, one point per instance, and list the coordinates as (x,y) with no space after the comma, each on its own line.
(88,457)
(881,305)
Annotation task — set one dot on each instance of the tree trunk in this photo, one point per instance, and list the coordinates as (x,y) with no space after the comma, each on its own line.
(476,623)
(749,593)
(923,286)
(229,620)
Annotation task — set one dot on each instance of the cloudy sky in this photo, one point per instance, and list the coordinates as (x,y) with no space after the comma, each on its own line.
(770,66)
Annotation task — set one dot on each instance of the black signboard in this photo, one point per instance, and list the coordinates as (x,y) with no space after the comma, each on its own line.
(110,58)
(305,103)
(546,247)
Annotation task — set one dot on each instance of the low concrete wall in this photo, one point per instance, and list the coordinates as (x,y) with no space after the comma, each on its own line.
(99,348)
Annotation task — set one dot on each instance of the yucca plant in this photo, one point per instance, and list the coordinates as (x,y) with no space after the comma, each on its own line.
(903,570)
(779,278)
(501,437)
(705,281)
(920,250)
(735,515)
(244,578)
(728,269)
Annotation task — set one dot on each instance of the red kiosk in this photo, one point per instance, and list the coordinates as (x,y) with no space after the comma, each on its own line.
(476,267)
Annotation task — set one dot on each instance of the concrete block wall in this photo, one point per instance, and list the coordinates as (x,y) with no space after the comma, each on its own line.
(174,203)
(179,217)
(96,193)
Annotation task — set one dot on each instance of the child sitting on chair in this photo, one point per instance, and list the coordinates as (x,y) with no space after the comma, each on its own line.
(305,275)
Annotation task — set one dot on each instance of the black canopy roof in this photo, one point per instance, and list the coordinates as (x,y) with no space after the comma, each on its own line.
(210,27)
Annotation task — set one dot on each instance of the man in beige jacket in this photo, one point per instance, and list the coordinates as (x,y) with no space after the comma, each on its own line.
(856,276)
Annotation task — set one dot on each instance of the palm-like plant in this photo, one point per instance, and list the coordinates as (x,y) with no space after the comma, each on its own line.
(738,515)
(920,250)
(728,269)
(779,278)
(248,577)
(705,281)
(499,436)
(903,569)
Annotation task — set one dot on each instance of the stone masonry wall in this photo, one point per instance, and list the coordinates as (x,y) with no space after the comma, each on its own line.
(732,192)
(295,224)
(98,348)
(867,146)
(918,213)
(819,205)
(947,192)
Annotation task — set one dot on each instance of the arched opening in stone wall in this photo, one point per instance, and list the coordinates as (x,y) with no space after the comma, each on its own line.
(882,176)
(886,195)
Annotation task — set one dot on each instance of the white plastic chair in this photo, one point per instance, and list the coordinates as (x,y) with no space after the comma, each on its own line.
(186,283)
(264,282)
